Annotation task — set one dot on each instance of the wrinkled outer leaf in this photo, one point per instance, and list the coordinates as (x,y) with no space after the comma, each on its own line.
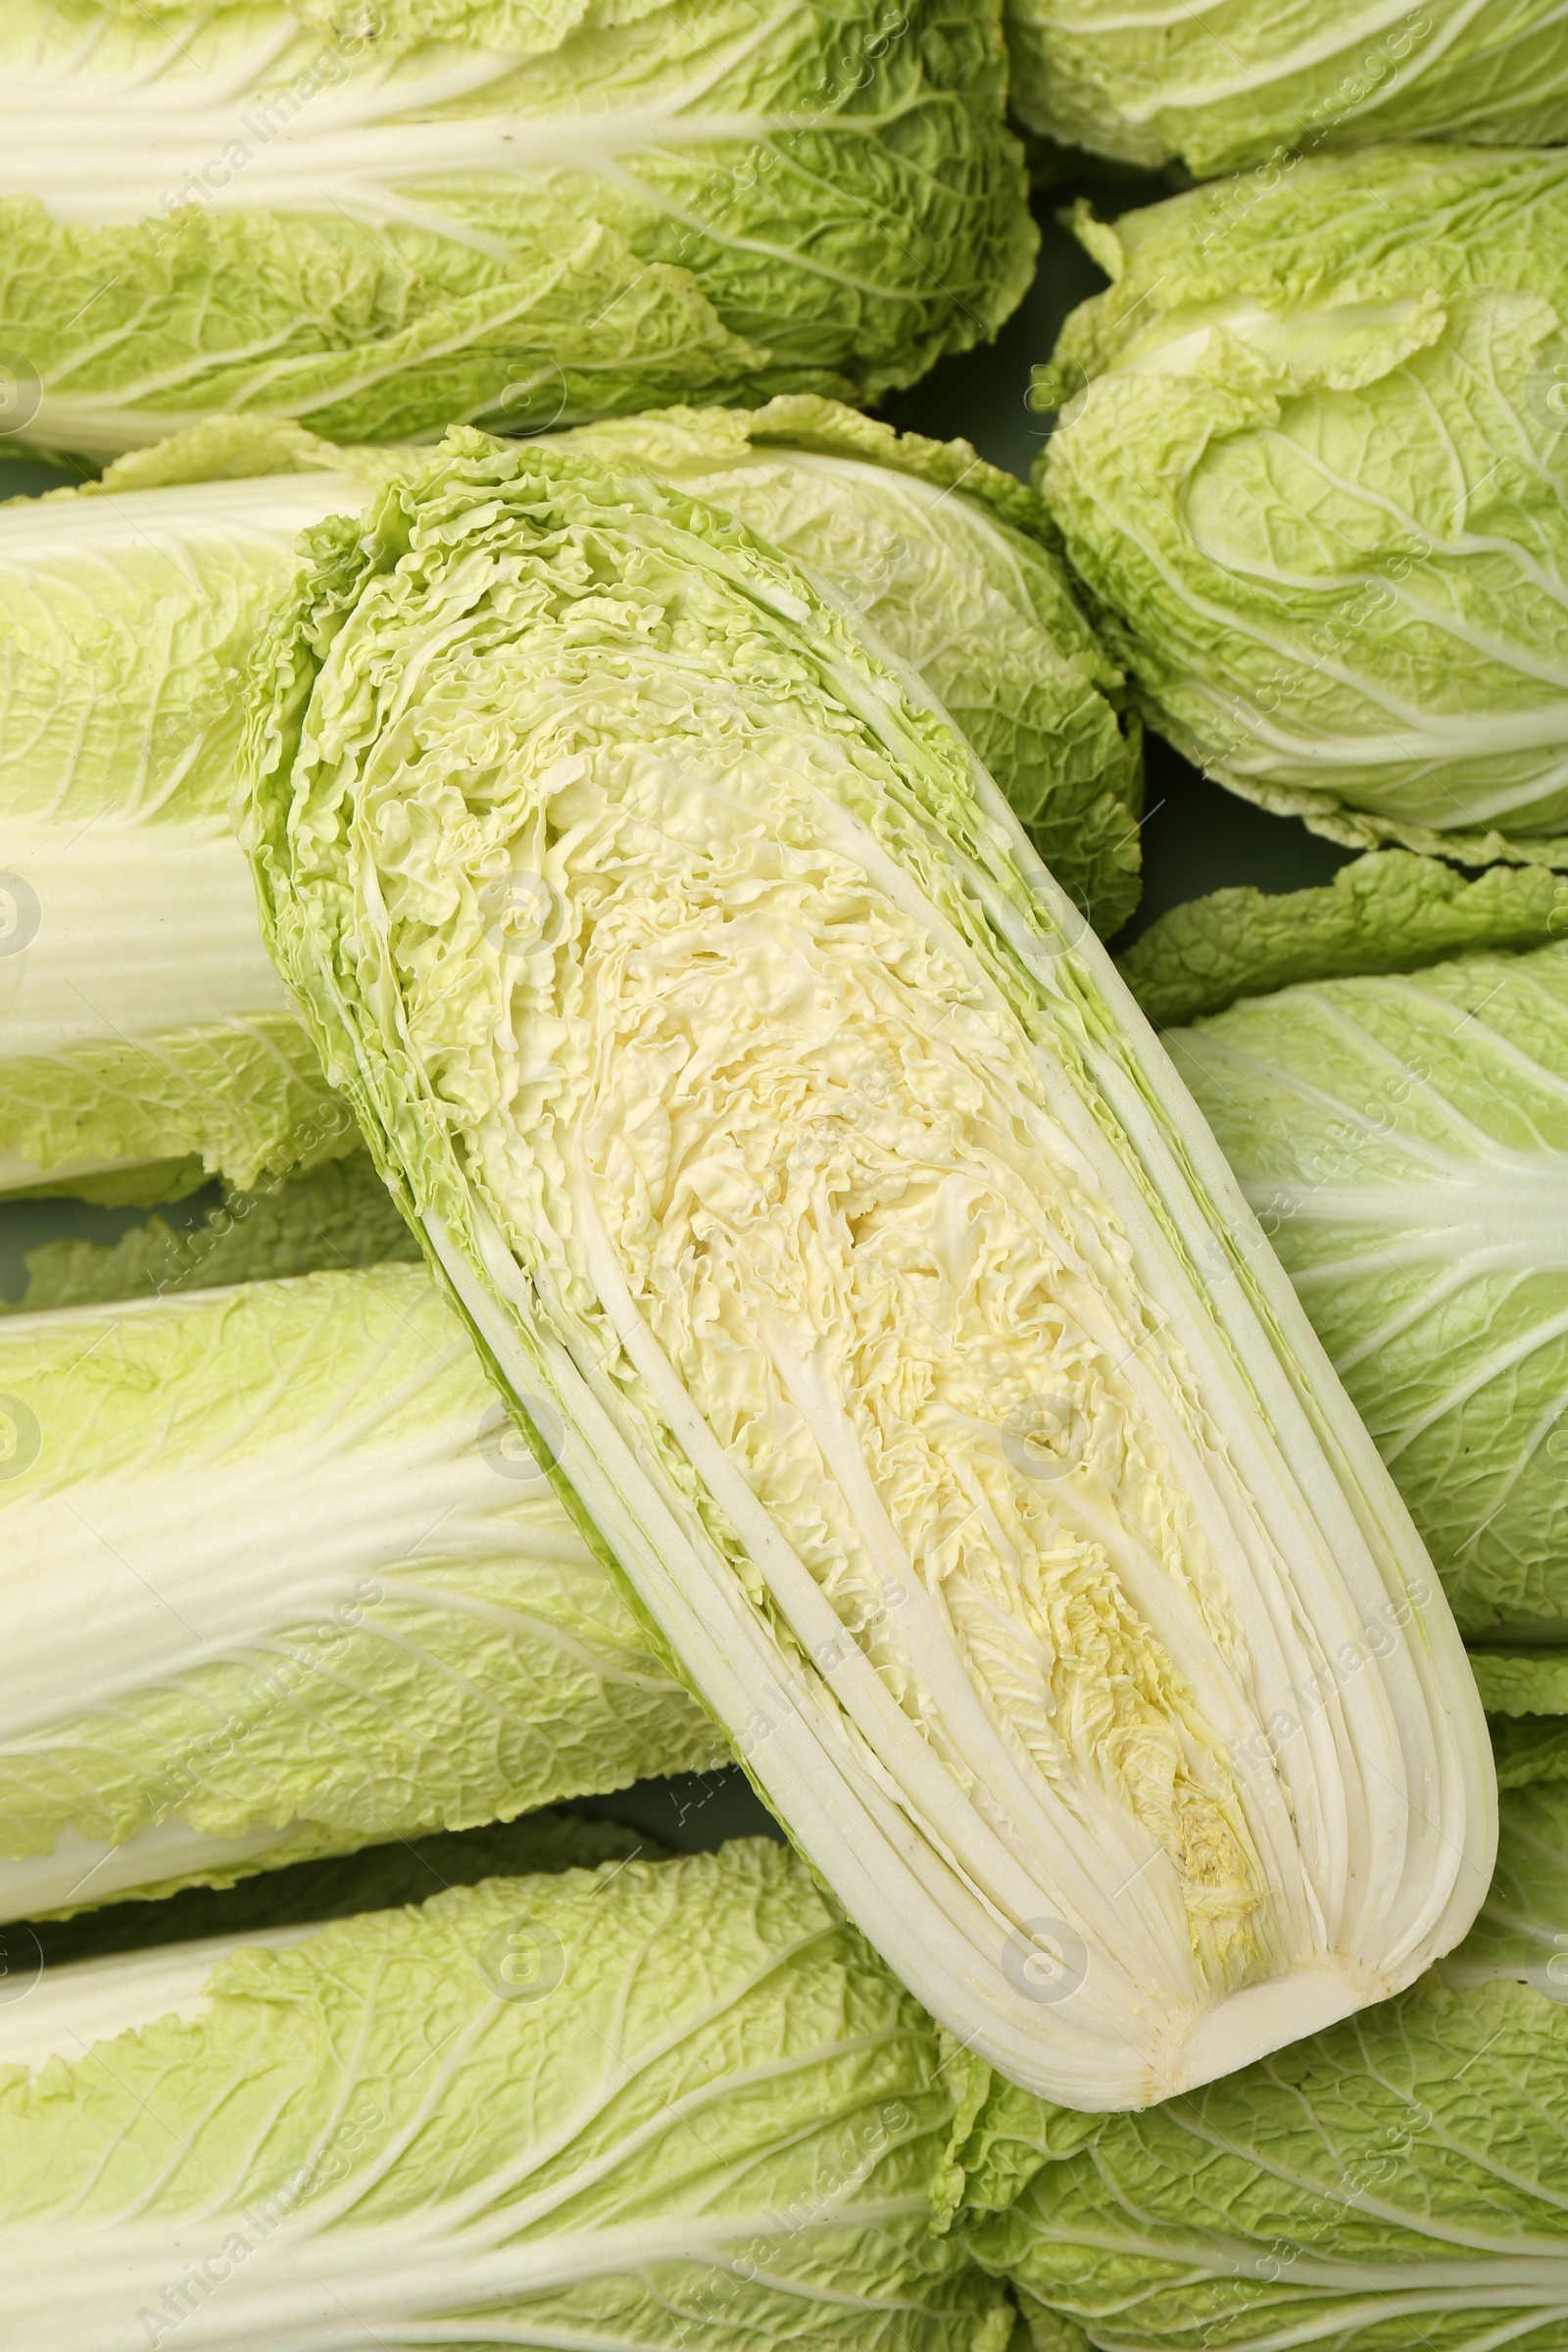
(1386,913)
(1399,2181)
(1312,465)
(334,1598)
(781,1126)
(1522,1932)
(654,2106)
(380,224)
(140,1023)
(953,565)
(1405,1138)
(1230,83)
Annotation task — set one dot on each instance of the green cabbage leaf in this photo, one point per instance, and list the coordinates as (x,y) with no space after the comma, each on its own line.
(328,1597)
(1312,465)
(1234,82)
(379,222)
(795,1153)
(1404,1137)
(337,1217)
(645,2106)
(147,1041)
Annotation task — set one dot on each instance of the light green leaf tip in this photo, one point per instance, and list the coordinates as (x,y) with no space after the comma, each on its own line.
(1243,81)
(1388,911)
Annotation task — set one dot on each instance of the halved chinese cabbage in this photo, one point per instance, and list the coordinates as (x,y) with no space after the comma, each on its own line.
(779,1125)
(145,1037)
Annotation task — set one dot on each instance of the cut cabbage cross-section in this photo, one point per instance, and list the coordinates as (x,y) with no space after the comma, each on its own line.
(776,1123)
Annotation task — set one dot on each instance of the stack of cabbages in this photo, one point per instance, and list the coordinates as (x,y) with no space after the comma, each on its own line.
(596,848)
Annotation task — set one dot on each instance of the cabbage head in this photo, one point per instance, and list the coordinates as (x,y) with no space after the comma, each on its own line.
(382,219)
(795,1153)
(1386,1069)
(1312,463)
(145,1040)
(1233,83)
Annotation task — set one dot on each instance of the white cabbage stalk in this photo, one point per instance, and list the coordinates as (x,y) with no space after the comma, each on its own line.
(650,2104)
(1231,83)
(278,1578)
(1312,467)
(778,1124)
(144,1037)
(142,1024)
(382,219)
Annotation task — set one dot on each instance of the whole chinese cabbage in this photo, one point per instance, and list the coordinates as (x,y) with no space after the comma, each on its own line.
(329,1597)
(377,219)
(145,1037)
(1401,2180)
(1390,1082)
(1230,83)
(779,1126)
(648,2105)
(1313,466)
